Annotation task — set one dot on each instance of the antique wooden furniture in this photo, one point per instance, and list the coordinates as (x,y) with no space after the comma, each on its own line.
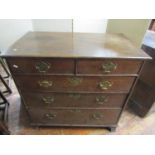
(144,94)
(74,79)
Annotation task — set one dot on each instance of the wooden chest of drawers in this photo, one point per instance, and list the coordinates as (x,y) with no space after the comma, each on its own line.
(68,79)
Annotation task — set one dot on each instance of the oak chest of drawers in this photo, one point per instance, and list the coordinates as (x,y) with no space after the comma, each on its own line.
(76,79)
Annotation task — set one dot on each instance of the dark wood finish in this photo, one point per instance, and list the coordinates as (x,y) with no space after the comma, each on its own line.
(144,94)
(29,66)
(82,100)
(77,59)
(96,66)
(75,45)
(65,83)
(74,117)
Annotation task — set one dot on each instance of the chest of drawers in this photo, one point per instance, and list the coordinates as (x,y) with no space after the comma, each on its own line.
(67,79)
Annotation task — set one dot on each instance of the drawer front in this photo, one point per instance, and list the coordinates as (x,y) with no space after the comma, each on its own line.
(74,117)
(41,66)
(110,66)
(60,100)
(74,84)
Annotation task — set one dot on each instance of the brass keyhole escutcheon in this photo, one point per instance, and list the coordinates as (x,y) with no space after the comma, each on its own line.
(104,85)
(48,99)
(109,67)
(50,116)
(45,83)
(75,81)
(75,96)
(42,66)
(101,99)
(97,116)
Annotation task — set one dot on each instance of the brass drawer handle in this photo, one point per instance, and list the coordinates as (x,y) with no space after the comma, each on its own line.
(45,83)
(105,85)
(75,96)
(48,99)
(97,116)
(42,66)
(50,116)
(75,110)
(109,67)
(101,99)
(75,81)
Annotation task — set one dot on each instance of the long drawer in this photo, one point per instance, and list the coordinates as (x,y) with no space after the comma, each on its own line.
(67,100)
(41,66)
(108,66)
(74,83)
(74,117)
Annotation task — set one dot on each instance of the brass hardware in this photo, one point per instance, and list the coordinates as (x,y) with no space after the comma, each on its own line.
(109,67)
(75,110)
(75,96)
(42,66)
(101,99)
(50,116)
(75,81)
(105,85)
(48,99)
(45,83)
(97,116)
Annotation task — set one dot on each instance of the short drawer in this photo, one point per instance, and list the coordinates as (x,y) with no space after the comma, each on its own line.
(74,84)
(41,66)
(63,100)
(74,117)
(108,66)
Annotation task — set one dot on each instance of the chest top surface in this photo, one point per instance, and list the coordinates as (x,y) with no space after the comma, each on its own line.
(74,45)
